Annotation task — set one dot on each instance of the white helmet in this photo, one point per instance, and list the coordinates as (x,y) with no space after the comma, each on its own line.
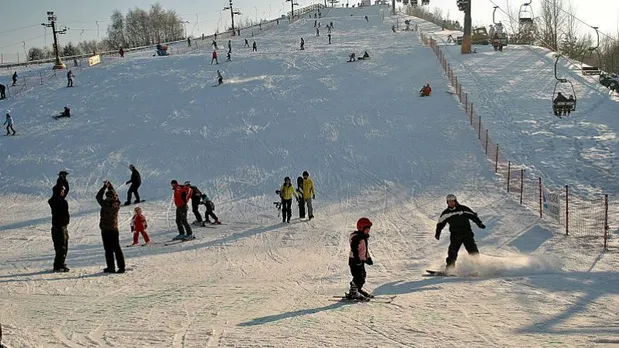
(451,197)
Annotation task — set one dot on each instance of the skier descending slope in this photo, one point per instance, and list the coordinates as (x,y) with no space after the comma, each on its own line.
(359,256)
(458,216)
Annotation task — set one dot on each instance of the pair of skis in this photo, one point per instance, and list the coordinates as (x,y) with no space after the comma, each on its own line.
(376,299)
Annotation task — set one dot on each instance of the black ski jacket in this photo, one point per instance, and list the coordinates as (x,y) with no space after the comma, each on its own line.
(136,179)
(63,182)
(359,248)
(458,220)
(60,209)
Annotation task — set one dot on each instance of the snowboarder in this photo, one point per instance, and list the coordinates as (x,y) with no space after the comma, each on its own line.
(60,221)
(63,182)
(182,195)
(254,47)
(14,78)
(230,46)
(458,216)
(214,44)
(302,44)
(210,207)
(351,57)
(308,194)
(286,192)
(425,90)
(196,196)
(367,19)
(121,52)
(246,43)
(109,228)
(329,38)
(135,181)
(70,78)
(220,79)
(139,226)
(2,91)
(365,56)
(9,124)
(214,59)
(358,257)
(65,113)
(188,42)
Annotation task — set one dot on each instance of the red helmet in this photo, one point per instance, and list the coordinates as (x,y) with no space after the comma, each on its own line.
(363,223)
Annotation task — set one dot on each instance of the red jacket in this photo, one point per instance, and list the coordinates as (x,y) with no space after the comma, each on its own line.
(214,54)
(138,222)
(182,195)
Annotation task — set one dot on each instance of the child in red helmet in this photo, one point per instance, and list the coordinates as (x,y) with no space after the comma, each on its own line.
(138,226)
(359,256)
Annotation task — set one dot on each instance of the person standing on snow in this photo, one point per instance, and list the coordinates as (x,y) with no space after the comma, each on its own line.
(286,191)
(110,206)
(230,46)
(329,38)
(182,195)
(70,78)
(358,257)
(139,226)
(60,221)
(14,78)
(246,43)
(458,216)
(196,196)
(63,182)
(135,181)
(214,59)
(209,213)
(254,47)
(2,91)
(308,194)
(302,44)
(220,79)
(9,124)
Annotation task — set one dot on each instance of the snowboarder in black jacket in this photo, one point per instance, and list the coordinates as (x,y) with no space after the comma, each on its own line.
(63,182)
(60,221)
(458,216)
(135,181)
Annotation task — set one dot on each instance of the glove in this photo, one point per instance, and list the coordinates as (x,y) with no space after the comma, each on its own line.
(481,225)
(437,235)
(313,196)
(128,182)
(132,229)
(369,261)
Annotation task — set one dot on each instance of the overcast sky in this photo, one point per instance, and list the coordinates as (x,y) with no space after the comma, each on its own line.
(20,20)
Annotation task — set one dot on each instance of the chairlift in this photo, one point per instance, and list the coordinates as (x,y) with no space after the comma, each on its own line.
(414,3)
(425,2)
(592,70)
(562,105)
(525,14)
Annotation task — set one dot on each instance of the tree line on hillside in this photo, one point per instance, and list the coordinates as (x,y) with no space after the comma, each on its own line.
(136,28)
(555,27)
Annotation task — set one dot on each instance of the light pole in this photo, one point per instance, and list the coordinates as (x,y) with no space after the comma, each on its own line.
(232,13)
(198,24)
(51,18)
(185,23)
(256,8)
(26,53)
(97,23)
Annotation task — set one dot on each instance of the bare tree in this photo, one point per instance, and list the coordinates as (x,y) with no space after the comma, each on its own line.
(553,21)
(116,30)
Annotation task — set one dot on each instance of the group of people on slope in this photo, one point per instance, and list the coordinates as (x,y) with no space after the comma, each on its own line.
(182,195)
(304,196)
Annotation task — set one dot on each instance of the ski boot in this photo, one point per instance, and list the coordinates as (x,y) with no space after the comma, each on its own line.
(217,222)
(366,294)
(354,294)
(189,237)
(127,203)
(179,237)
(197,223)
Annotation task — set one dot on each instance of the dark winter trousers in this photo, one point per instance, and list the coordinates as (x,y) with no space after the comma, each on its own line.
(214,59)
(286,209)
(133,189)
(10,128)
(70,83)
(181,221)
(358,274)
(111,244)
(60,237)
(456,240)
(195,205)
(209,212)
(2,92)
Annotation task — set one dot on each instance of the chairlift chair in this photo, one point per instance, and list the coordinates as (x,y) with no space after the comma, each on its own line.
(425,2)
(563,107)
(525,14)
(592,70)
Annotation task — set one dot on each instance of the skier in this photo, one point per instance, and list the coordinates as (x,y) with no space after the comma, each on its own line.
(358,257)
(188,42)
(139,226)
(63,182)
(230,46)
(302,44)
(14,78)
(425,90)
(9,124)
(210,207)
(286,192)
(182,195)
(393,28)
(458,216)
(121,52)
(351,58)
(214,59)
(214,44)
(70,78)
(220,79)
(228,57)
(317,32)
(246,43)
(135,181)
(109,228)
(254,47)
(331,25)
(308,194)
(65,113)
(60,221)
(329,38)
(2,91)
(196,196)
(367,19)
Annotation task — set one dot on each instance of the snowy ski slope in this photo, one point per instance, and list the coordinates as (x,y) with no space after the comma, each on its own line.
(374,149)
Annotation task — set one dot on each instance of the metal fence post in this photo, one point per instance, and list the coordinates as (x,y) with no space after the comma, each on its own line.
(479,129)
(541,203)
(509,174)
(521,184)
(466,105)
(496,160)
(605,222)
(486,142)
(567,210)
(471,114)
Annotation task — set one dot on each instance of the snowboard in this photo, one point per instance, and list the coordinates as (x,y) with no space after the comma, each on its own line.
(432,273)
(141,201)
(301,201)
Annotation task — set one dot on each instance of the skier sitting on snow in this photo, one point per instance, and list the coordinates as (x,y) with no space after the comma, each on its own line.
(365,56)
(65,113)
(458,216)
(285,193)
(358,257)
(351,57)
(425,90)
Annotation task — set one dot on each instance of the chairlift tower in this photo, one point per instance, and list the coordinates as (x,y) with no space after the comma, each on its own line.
(465,6)
(293,3)
(233,12)
(51,23)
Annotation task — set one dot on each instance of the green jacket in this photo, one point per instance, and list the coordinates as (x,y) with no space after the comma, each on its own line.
(109,210)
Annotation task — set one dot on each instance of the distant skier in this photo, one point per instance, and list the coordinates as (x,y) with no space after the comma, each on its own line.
(331,25)
(425,90)
(60,222)
(220,79)
(209,213)
(182,195)
(66,113)
(254,47)
(70,78)
(367,19)
(308,194)
(214,58)
(302,44)
(458,216)
(230,46)
(393,28)
(317,32)
(329,38)
(63,182)
(246,43)
(358,257)
(214,44)
(228,57)
(121,52)
(188,42)
(139,226)
(2,91)
(14,78)
(286,191)
(110,206)
(365,56)
(351,57)
(135,181)
(9,124)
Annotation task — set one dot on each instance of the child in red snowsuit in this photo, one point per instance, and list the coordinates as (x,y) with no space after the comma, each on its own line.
(138,225)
